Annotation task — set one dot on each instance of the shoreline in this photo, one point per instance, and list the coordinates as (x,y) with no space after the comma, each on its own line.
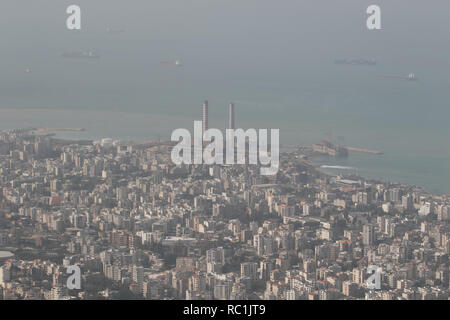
(311,158)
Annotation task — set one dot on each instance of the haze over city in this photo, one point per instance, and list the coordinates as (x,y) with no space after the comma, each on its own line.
(87,177)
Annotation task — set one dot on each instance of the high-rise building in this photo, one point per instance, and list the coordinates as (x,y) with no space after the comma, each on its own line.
(138,274)
(231,116)
(5,274)
(349,288)
(407,202)
(205,116)
(249,269)
(368,234)
(216,255)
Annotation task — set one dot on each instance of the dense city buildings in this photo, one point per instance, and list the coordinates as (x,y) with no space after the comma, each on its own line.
(140,227)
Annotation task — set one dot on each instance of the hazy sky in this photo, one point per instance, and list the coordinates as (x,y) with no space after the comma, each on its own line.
(230,23)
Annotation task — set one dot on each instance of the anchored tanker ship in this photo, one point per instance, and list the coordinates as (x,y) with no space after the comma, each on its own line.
(177,63)
(410,77)
(80,55)
(356,62)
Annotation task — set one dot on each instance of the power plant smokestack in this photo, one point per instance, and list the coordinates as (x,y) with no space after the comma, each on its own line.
(205,116)
(231,116)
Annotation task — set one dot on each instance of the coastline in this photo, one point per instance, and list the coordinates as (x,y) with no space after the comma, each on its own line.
(427,169)
(347,172)
(312,158)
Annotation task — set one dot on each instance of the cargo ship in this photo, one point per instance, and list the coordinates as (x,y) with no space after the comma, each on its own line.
(356,62)
(177,63)
(80,55)
(410,77)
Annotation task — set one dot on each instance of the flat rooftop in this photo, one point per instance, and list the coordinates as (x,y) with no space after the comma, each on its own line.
(4,255)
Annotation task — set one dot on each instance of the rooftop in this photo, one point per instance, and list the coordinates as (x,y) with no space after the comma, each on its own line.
(4,255)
